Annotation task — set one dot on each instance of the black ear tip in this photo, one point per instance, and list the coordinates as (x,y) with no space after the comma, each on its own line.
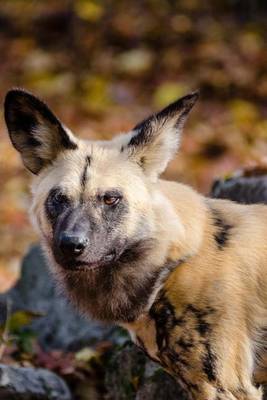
(9,97)
(196,94)
(20,100)
(11,102)
(190,99)
(14,94)
(14,98)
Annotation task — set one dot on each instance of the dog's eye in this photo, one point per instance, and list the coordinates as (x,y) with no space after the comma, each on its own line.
(111,200)
(56,203)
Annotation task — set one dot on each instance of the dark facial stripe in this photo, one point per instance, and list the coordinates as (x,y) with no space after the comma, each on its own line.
(84,173)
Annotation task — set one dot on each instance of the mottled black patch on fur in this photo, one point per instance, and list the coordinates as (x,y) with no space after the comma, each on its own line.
(202,326)
(176,358)
(209,363)
(163,312)
(184,344)
(223,228)
(179,337)
(204,329)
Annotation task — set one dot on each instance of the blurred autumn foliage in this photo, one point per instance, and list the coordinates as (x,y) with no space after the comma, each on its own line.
(103,66)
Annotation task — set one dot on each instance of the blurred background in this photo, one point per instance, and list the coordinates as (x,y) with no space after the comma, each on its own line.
(103,66)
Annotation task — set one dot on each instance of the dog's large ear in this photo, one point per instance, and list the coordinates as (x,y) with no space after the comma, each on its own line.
(34,130)
(154,142)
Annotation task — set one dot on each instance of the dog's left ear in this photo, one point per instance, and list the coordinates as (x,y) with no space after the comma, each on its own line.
(154,142)
(34,130)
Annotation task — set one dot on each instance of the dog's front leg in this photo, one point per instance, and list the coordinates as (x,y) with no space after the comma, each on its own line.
(199,388)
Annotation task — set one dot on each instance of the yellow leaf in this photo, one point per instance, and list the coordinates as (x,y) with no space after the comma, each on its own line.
(243,112)
(19,319)
(89,10)
(168,92)
(86,354)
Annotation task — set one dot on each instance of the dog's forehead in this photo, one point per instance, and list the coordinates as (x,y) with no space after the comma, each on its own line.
(91,167)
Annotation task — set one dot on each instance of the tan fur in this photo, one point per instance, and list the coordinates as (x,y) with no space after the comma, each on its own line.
(233,281)
(205,315)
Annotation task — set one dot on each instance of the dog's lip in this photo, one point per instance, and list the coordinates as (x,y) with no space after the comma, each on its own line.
(91,265)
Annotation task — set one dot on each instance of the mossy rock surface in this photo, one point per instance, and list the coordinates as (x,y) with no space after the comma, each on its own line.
(130,375)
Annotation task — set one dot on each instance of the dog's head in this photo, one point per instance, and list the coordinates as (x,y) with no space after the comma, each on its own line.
(94,201)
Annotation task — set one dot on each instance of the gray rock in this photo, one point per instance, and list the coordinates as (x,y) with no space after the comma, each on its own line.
(160,386)
(130,375)
(17,383)
(61,327)
(242,189)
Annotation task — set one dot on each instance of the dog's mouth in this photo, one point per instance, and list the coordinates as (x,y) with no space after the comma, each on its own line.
(84,265)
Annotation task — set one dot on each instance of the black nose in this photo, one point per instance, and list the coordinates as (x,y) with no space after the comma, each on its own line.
(72,245)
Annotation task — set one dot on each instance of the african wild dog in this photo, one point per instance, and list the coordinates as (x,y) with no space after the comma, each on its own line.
(186,275)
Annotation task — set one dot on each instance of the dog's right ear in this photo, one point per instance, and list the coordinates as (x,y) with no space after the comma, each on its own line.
(34,130)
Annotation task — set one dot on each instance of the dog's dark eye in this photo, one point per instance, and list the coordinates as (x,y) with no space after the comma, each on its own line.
(111,200)
(56,203)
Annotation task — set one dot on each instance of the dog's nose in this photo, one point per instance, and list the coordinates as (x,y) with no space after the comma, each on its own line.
(72,245)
